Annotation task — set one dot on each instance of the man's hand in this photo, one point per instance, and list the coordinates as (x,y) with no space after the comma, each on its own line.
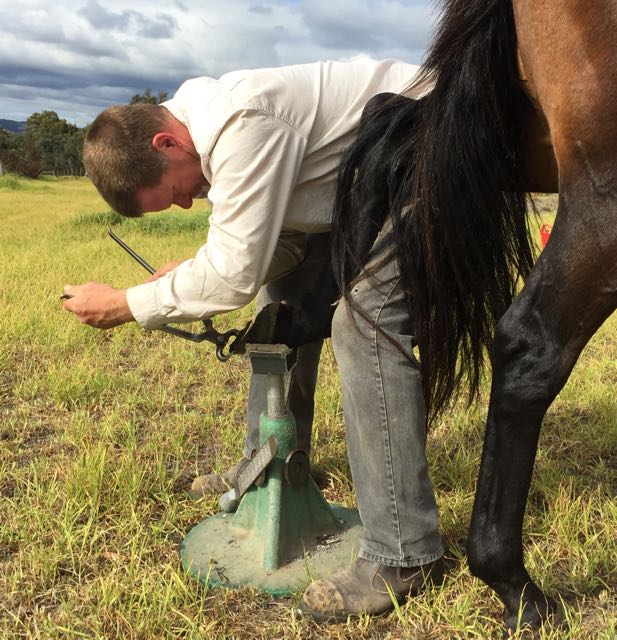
(161,271)
(98,305)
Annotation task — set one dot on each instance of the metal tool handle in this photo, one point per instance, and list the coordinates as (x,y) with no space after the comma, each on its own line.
(210,334)
(148,267)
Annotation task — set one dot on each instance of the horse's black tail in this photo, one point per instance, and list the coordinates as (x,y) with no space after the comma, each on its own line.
(465,242)
(458,208)
(368,181)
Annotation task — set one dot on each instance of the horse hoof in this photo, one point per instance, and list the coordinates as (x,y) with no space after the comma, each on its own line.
(534,617)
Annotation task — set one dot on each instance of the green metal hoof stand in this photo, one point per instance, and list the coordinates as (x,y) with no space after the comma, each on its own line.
(284,533)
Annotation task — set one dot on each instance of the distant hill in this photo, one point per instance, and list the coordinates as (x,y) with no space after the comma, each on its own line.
(12,125)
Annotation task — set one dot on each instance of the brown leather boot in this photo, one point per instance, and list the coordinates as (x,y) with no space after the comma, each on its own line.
(216,483)
(367,587)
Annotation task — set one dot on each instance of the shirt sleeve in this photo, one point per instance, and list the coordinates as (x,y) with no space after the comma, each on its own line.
(255,164)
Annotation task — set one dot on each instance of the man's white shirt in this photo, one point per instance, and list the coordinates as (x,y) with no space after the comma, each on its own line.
(270,142)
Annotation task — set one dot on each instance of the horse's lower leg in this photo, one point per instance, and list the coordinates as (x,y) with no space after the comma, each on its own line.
(572,289)
(495,547)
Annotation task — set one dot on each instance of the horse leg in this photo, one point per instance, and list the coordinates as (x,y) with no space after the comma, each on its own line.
(571,291)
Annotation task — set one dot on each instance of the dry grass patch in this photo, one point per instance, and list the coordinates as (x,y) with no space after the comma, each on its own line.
(101,433)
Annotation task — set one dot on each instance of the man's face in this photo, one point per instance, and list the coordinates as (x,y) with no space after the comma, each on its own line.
(182,181)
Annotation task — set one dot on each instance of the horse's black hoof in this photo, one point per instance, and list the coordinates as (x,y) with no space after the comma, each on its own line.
(534,616)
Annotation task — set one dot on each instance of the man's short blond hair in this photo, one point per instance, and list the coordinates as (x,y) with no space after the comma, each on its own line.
(118,154)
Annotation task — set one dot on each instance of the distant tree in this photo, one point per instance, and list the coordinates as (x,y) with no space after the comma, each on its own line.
(148,98)
(73,146)
(58,142)
(8,140)
(49,143)
(31,162)
(24,159)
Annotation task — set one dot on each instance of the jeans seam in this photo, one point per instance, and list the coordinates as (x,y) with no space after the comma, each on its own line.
(396,521)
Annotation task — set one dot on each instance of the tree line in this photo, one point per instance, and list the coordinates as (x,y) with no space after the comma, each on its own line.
(50,144)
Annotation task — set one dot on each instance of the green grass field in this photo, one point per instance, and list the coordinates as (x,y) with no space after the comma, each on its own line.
(102,432)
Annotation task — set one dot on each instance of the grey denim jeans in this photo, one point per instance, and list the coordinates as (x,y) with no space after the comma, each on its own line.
(383,409)
(385,424)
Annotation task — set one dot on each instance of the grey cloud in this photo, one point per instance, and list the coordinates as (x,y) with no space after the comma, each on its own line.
(81,45)
(101,18)
(29,78)
(367,26)
(41,32)
(261,9)
(50,32)
(163,26)
(82,57)
(29,81)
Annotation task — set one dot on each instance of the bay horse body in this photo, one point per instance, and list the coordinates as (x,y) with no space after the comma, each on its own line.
(567,54)
(524,99)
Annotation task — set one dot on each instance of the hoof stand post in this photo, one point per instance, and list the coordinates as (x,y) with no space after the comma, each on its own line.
(284,532)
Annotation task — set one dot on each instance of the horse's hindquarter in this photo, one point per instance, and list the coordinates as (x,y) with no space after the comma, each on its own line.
(568,58)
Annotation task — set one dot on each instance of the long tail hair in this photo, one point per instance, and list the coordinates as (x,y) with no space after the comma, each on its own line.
(369,181)
(456,201)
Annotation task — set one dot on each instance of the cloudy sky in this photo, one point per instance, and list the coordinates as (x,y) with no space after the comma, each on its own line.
(77,57)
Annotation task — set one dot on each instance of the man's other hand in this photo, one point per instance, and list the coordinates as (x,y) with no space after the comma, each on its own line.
(98,305)
(161,271)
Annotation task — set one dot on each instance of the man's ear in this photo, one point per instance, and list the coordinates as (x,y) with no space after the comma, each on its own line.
(164,142)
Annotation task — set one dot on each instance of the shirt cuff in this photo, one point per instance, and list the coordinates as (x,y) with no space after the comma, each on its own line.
(142,301)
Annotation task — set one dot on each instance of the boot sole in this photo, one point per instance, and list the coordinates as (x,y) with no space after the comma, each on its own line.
(340,616)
